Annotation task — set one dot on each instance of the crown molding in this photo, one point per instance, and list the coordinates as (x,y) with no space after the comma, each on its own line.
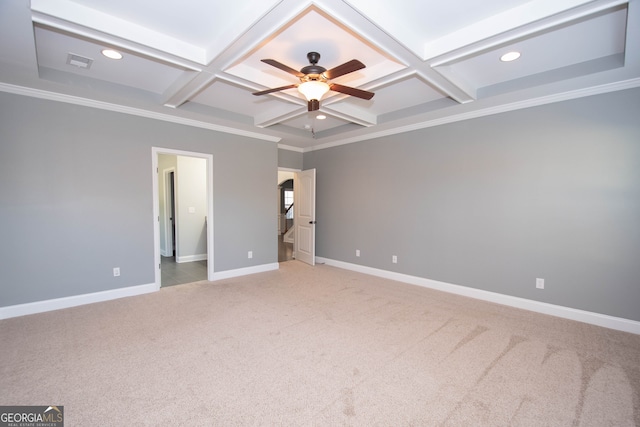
(290,148)
(512,106)
(76,100)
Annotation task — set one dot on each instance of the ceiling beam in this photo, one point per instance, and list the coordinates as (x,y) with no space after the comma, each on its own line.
(185,87)
(278,114)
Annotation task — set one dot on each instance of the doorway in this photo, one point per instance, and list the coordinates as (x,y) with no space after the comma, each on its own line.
(286,207)
(172,209)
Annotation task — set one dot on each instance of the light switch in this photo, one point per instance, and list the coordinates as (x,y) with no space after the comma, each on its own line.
(192,209)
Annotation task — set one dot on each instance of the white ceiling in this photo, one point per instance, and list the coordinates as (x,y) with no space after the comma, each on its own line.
(430,62)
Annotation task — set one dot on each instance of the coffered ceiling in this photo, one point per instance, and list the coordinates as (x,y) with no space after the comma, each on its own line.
(198,62)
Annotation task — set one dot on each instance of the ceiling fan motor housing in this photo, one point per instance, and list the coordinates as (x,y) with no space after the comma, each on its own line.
(313,69)
(313,78)
(313,57)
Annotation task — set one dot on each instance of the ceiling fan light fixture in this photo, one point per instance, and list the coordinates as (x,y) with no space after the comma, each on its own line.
(313,80)
(313,89)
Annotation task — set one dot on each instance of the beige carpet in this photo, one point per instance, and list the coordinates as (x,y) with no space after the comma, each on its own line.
(317,346)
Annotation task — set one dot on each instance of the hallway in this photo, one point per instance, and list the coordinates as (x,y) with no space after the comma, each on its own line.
(285,250)
(174,273)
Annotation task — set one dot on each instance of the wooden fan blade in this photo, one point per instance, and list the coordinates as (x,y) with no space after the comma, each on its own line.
(359,93)
(346,68)
(275,89)
(283,67)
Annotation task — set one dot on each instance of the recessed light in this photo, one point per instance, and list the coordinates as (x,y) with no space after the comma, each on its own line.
(112,54)
(510,56)
(321,117)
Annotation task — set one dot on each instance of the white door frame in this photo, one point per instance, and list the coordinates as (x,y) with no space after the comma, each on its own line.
(155,152)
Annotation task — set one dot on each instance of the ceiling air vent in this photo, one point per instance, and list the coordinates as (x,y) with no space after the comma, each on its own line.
(79,61)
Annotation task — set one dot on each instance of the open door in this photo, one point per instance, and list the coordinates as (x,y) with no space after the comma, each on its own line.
(304,189)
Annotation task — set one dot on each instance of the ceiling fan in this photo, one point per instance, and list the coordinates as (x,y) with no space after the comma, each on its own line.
(314,80)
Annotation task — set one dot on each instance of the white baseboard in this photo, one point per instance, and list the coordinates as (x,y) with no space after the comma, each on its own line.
(73,301)
(219,275)
(76,300)
(191,258)
(611,322)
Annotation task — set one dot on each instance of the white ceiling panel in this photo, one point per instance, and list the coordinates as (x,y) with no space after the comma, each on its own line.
(314,31)
(53,48)
(403,94)
(584,41)
(418,22)
(226,96)
(308,122)
(205,20)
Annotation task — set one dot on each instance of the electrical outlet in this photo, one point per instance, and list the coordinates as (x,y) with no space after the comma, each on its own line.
(394,259)
(250,254)
(357,252)
(116,271)
(540,283)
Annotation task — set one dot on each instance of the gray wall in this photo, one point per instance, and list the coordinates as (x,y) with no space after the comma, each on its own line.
(76,198)
(289,159)
(495,202)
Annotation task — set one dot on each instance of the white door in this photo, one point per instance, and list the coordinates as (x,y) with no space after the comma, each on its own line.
(304,194)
